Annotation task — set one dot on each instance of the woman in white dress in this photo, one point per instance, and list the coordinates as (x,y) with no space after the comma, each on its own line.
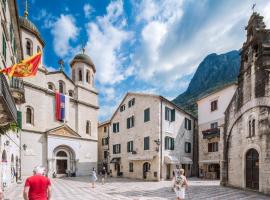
(93,177)
(180,184)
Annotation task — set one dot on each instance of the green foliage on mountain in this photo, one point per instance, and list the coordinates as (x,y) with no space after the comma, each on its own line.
(213,73)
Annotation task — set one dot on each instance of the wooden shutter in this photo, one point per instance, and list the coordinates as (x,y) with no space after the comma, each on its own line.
(173,115)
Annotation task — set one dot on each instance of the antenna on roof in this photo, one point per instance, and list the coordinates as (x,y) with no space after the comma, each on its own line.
(26,9)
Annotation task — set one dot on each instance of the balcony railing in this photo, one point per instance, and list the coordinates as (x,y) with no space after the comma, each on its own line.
(16,83)
(213,132)
(8,106)
(17,90)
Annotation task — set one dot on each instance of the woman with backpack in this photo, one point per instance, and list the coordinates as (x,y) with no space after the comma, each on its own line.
(180,184)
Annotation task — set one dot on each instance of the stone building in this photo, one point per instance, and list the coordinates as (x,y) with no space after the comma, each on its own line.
(67,146)
(211,110)
(10,91)
(103,145)
(149,136)
(247,118)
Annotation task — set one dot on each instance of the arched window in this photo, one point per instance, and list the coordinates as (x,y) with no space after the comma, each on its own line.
(29,115)
(80,75)
(51,86)
(29,47)
(88,76)
(88,127)
(73,74)
(4,156)
(249,128)
(61,154)
(253,127)
(61,87)
(38,49)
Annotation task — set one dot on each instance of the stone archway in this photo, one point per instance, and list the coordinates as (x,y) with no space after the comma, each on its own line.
(65,162)
(252,169)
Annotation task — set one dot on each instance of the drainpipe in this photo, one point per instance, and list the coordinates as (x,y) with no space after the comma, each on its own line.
(161,139)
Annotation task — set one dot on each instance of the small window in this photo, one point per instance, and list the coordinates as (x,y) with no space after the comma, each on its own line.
(131,102)
(213,147)
(105,129)
(116,127)
(29,115)
(80,75)
(130,167)
(187,147)
(187,124)
(147,115)
(105,141)
(214,125)
(88,127)
(253,127)
(169,114)
(105,154)
(70,93)
(146,143)
(4,47)
(130,122)
(169,143)
(29,47)
(116,148)
(122,108)
(130,146)
(214,105)
(61,87)
(51,86)
(88,76)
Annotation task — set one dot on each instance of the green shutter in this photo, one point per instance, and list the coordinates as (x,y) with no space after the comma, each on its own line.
(173,115)
(19,119)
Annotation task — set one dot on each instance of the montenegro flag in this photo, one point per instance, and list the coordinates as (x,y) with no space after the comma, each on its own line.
(26,68)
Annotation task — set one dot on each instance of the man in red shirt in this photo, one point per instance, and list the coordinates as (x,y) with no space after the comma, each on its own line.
(38,186)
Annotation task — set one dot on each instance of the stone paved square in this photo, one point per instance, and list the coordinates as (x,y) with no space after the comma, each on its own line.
(79,188)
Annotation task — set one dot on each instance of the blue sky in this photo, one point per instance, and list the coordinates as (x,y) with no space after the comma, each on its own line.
(151,46)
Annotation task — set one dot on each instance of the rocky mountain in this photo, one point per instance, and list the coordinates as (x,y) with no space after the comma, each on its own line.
(214,72)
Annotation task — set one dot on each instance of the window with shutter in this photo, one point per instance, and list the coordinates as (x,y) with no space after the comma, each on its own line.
(146,143)
(173,115)
(147,115)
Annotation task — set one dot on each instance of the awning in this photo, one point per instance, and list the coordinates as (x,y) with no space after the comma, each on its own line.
(171,160)
(186,160)
(145,157)
(209,161)
(115,160)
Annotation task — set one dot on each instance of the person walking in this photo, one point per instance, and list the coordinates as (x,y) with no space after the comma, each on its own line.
(180,184)
(93,177)
(37,187)
(103,175)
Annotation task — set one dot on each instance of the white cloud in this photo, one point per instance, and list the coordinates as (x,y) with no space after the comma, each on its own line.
(88,9)
(64,31)
(177,35)
(106,37)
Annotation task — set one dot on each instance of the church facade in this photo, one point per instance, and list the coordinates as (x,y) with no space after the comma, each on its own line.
(246,162)
(65,146)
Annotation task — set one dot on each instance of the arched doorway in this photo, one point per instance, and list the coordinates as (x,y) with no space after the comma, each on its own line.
(146,168)
(64,161)
(252,169)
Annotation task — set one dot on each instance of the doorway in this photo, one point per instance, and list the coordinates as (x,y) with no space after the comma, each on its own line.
(146,168)
(61,166)
(252,169)
(168,171)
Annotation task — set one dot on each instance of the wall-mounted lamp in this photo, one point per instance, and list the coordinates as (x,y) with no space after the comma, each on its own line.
(157,141)
(24,147)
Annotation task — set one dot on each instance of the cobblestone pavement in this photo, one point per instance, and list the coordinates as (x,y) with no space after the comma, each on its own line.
(120,188)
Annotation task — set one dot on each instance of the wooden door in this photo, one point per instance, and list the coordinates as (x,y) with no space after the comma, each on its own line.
(252,169)
(61,166)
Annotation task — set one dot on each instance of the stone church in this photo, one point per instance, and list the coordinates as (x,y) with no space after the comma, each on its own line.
(67,146)
(246,161)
